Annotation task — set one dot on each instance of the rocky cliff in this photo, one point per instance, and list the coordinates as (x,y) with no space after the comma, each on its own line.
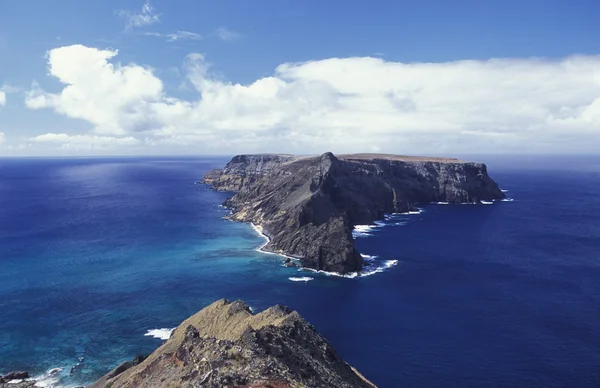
(244,170)
(226,345)
(308,206)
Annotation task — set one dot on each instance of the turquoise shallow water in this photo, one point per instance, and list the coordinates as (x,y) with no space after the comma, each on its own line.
(96,252)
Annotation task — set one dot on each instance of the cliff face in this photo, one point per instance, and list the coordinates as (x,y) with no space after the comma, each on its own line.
(244,170)
(226,345)
(308,206)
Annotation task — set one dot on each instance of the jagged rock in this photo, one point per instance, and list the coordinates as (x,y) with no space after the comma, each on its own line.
(226,345)
(243,170)
(308,206)
(14,384)
(16,376)
(126,365)
(289,263)
(13,380)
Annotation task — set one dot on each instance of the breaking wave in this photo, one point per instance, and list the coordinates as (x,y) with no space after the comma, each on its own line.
(301,279)
(163,334)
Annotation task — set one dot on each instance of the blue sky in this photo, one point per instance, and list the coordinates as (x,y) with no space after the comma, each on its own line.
(196,77)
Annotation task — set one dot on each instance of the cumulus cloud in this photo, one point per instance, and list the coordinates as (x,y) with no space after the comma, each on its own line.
(175,36)
(2,98)
(227,34)
(115,99)
(339,104)
(145,17)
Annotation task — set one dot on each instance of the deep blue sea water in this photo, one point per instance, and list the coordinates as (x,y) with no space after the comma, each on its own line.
(95,252)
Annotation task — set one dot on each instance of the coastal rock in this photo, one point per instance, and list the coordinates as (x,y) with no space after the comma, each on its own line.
(17,384)
(16,376)
(16,380)
(225,344)
(308,206)
(243,170)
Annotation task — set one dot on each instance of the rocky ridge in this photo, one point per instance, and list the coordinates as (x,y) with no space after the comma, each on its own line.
(308,206)
(226,345)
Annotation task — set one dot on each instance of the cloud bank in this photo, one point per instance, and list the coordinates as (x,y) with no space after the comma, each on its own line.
(339,104)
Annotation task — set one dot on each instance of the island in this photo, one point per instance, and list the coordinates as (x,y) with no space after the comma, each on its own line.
(226,345)
(307,206)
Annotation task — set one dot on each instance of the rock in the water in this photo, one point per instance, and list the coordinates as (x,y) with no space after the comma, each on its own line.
(308,206)
(16,376)
(16,380)
(226,345)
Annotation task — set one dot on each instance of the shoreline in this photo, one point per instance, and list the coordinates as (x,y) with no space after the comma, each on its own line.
(259,230)
(366,270)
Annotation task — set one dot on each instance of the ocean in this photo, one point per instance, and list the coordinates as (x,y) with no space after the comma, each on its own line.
(100,257)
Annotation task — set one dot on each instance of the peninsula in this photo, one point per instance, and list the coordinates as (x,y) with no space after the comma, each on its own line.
(226,345)
(308,205)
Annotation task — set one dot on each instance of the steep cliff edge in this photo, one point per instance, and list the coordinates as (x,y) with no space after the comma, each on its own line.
(226,345)
(308,206)
(244,170)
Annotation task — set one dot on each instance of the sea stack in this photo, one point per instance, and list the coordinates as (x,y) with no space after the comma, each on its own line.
(308,205)
(226,345)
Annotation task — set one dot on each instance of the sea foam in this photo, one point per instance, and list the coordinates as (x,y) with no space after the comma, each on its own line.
(259,230)
(163,334)
(51,379)
(301,279)
(372,267)
(362,230)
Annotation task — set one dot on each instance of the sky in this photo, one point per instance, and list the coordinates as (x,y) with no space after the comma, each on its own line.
(199,77)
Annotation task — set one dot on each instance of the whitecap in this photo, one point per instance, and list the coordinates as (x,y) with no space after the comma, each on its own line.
(504,191)
(301,279)
(440,203)
(50,379)
(507,200)
(368,257)
(487,202)
(362,230)
(373,267)
(377,267)
(163,334)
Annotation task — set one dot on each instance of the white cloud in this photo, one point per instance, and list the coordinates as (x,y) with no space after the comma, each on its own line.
(2,138)
(339,104)
(115,99)
(145,17)
(175,36)
(227,34)
(2,98)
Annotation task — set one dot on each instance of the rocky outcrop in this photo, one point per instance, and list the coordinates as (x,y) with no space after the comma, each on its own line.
(308,206)
(16,380)
(226,345)
(244,170)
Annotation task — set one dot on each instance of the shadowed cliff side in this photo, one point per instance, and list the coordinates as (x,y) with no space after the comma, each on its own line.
(226,345)
(309,205)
